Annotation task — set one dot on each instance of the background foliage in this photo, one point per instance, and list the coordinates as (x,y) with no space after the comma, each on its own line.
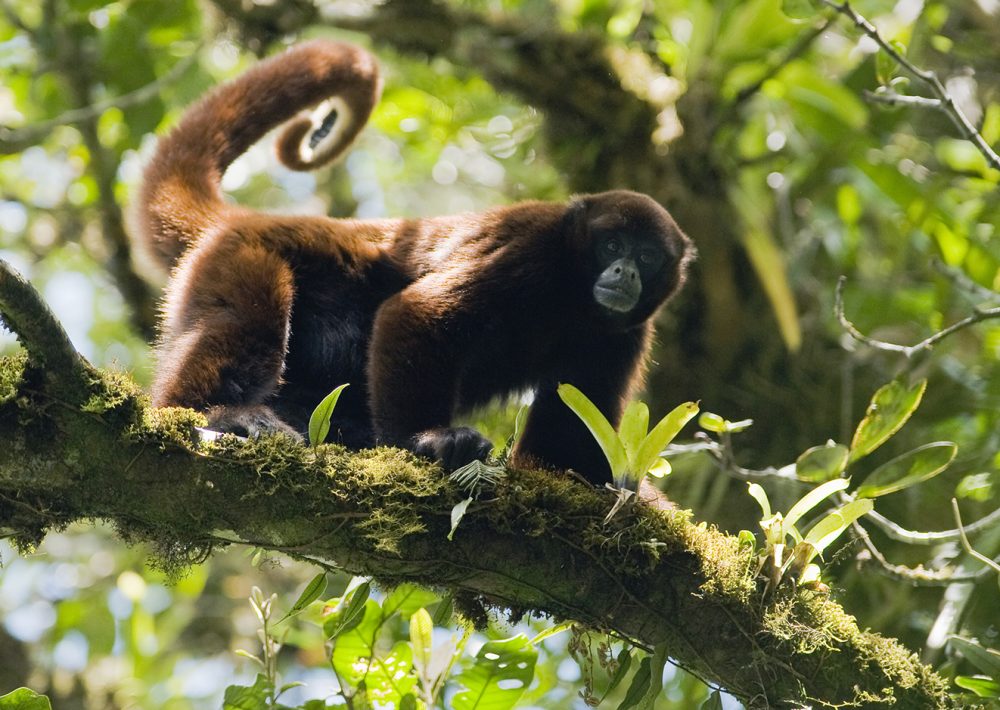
(751,126)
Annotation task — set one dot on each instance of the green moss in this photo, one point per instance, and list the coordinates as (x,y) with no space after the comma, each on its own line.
(11,371)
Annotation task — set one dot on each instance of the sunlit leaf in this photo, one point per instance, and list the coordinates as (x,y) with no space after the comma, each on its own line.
(550,632)
(709,421)
(24,699)
(319,421)
(352,613)
(833,525)
(821,463)
(598,425)
(457,513)
(311,593)
(243,697)
(662,434)
(888,410)
(813,498)
(908,469)
(984,659)
(502,671)
(760,495)
(660,468)
(406,599)
(633,428)
(421,640)
(768,262)
(980,685)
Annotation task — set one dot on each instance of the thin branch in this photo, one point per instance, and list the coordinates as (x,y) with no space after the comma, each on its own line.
(960,279)
(918,576)
(15,140)
(891,98)
(26,315)
(990,564)
(908,351)
(896,532)
(945,101)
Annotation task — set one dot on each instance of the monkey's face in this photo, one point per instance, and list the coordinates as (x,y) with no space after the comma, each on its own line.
(637,255)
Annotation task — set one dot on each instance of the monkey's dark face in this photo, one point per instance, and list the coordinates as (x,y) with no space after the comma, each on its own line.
(637,254)
(625,264)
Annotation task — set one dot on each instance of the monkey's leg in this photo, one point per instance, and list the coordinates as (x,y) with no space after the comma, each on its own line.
(227,331)
(414,371)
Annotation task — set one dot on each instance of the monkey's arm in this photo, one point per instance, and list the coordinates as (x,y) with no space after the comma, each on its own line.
(225,346)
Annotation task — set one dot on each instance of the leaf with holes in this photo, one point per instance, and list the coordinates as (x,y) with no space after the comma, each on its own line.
(890,407)
(909,469)
(502,671)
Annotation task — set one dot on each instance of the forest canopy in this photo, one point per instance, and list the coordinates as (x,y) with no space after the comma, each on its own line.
(836,540)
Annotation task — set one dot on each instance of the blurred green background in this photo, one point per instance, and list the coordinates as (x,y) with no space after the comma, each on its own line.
(750,126)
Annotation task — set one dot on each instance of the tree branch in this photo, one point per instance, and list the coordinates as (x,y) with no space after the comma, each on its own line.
(944,100)
(537,544)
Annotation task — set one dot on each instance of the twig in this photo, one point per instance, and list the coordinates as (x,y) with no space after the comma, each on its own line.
(914,575)
(945,102)
(960,279)
(891,98)
(911,537)
(24,312)
(16,140)
(990,564)
(908,351)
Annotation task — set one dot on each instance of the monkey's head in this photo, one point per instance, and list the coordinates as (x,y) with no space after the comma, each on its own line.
(632,253)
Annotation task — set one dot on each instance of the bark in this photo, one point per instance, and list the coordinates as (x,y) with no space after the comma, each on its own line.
(78,444)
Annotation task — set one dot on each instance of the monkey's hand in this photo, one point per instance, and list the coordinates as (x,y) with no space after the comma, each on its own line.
(249,421)
(453,447)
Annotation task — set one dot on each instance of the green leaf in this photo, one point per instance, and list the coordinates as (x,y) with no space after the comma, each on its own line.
(798,9)
(832,526)
(656,665)
(406,599)
(885,65)
(986,660)
(24,699)
(624,663)
(599,426)
(550,632)
(389,677)
(709,421)
(421,640)
(714,701)
(351,614)
(662,434)
(908,469)
(813,498)
(501,673)
(660,468)
(633,429)
(888,410)
(640,684)
(354,647)
(980,685)
(760,495)
(319,421)
(768,261)
(311,593)
(242,697)
(457,513)
(822,463)
(408,702)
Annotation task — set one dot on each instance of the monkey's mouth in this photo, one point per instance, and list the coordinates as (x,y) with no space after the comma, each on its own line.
(615,299)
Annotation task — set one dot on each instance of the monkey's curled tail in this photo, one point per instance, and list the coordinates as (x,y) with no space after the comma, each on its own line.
(181,196)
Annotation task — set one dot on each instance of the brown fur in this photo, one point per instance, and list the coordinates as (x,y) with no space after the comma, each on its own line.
(266,314)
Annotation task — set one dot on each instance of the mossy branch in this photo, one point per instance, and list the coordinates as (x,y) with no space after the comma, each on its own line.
(537,544)
(49,349)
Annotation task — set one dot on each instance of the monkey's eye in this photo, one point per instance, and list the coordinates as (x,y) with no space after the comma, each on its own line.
(612,245)
(651,258)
